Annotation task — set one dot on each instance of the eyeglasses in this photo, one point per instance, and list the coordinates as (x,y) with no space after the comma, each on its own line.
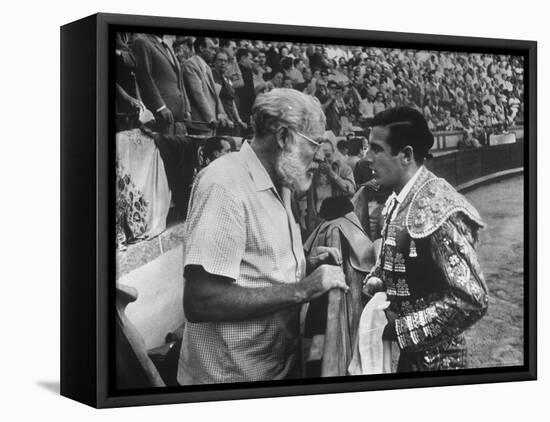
(307,138)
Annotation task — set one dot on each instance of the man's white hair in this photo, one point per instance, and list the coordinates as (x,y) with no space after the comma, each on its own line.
(290,108)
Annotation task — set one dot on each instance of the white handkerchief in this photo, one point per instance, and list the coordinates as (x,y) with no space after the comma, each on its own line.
(371,354)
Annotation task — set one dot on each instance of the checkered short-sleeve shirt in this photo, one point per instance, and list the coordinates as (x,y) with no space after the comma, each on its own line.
(239,227)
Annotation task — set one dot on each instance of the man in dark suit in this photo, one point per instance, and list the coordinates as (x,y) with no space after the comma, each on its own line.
(206,108)
(246,93)
(160,82)
(163,93)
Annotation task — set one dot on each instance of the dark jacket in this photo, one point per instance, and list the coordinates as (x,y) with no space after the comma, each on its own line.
(159,78)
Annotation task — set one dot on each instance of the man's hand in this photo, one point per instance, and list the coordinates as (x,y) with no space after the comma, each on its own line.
(373,286)
(323,279)
(324,255)
(135,103)
(326,168)
(166,116)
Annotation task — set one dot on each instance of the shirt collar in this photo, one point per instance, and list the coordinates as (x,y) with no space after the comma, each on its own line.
(407,188)
(257,171)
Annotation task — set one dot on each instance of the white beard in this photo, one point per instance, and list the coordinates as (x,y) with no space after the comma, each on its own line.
(292,171)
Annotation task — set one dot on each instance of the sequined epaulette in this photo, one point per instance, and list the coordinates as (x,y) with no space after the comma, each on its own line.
(432,204)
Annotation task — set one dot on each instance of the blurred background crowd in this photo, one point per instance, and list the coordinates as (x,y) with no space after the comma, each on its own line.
(455,91)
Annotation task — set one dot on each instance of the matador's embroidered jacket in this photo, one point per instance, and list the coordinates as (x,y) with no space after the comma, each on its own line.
(431,274)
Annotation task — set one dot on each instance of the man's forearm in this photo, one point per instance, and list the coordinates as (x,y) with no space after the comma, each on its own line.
(344,185)
(208,299)
(213,298)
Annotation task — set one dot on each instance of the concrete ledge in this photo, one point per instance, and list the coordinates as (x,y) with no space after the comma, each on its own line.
(493,177)
(139,254)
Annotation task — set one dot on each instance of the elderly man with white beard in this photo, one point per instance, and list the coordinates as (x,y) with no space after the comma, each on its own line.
(246,275)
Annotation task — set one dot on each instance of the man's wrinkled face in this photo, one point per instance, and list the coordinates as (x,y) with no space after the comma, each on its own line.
(328,151)
(278,80)
(287,83)
(221,62)
(183,52)
(386,167)
(246,61)
(261,59)
(209,51)
(298,163)
(230,49)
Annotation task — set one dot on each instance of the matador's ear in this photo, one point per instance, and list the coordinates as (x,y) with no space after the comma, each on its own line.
(408,153)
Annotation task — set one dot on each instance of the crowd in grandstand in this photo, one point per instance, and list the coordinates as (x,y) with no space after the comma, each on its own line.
(206,87)
(455,91)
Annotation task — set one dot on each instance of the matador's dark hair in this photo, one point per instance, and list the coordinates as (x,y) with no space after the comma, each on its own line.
(407,127)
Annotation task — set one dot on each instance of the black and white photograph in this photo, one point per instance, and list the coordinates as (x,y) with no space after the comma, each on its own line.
(275,211)
(291,210)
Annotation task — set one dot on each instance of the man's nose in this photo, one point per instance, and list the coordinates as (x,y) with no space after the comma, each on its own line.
(319,155)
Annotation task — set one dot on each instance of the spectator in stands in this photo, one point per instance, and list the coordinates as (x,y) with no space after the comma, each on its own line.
(183,47)
(261,70)
(316,60)
(335,108)
(160,83)
(321,93)
(514,103)
(455,123)
(277,79)
(468,141)
(298,74)
(325,75)
(357,148)
(226,93)
(366,108)
(215,148)
(245,93)
(206,108)
(342,147)
(334,177)
(379,102)
(287,82)
(229,47)
(307,86)
(289,71)
(127,104)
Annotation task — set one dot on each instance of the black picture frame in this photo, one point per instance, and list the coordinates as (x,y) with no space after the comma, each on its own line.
(88,255)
